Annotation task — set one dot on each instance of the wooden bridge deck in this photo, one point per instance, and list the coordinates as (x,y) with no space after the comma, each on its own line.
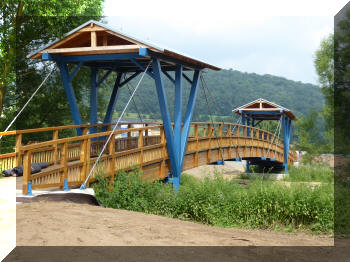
(71,158)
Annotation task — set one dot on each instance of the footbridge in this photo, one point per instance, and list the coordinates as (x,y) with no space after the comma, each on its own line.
(77,153)
(144,147)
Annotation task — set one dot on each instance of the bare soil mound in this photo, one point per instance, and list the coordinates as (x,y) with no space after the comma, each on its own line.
(71,224)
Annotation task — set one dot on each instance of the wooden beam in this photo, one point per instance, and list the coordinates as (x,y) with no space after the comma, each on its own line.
(92,28)
(95,50)
(93,39)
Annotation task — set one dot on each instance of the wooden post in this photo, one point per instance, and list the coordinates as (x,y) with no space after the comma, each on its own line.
(163,143)
(195,164)
(128,143)
(140,146)
(146,132)
(209,144)
(17,150)
(64,164)
(87,160)
(27,163)
(55,146)
(83,148)
(93,39)
(111,149)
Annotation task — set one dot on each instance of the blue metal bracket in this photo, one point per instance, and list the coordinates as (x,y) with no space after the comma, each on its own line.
(238,159)
(29,189)
(103,78)
(76,69)
(129,78)
(187,78)
(221,163)
(66,188)
(168,76)
(141,67)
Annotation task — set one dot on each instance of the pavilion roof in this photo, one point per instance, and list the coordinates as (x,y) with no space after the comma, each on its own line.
(261,109)
(95,38)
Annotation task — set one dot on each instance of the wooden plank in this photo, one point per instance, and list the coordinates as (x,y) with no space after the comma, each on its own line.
(93,39)
(92,48)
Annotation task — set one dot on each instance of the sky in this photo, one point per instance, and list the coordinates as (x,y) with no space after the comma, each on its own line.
(275,37)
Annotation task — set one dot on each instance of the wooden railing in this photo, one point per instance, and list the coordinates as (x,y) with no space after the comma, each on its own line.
(15,158)
(71,158)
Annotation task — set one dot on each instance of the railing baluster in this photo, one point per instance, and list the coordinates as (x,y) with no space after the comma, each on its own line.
(140,146)
(163,143)
(64,165)
(111,150)
(17,150)
(27,163)
(55,146)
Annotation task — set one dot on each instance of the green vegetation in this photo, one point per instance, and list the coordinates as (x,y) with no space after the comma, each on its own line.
(230,89)
(219,202)
(310,173)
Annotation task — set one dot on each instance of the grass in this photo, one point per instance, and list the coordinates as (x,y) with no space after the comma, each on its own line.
(219,202)
(310,173)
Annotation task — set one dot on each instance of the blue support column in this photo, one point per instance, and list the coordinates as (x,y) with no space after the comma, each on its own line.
(93,99)
(112,101)
(286,124)
(178,110)
(67,84)
(189,114)
(176,143)
(168,131)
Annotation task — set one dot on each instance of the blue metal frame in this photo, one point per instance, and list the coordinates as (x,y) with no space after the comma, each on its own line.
(286,124)
(85,58)
(67,84)
(176,143)
(113,100)
(93,99)
(168,131)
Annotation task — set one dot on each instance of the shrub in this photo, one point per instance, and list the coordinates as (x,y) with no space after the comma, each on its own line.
(220,202)
(311,172)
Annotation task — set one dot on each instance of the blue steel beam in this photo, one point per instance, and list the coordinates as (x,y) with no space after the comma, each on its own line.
(93,99)
(168,130)
(112,100)
(178,110)
(75,71)
(169,76)
(286,124)
(141,67)
(189,114)
(187,78)
(67,84)
(129,78)
(103,78)
(84,58)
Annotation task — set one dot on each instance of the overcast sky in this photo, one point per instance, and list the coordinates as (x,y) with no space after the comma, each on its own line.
(232,35)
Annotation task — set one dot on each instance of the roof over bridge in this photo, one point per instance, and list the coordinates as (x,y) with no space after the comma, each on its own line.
(101,45)
(261,109)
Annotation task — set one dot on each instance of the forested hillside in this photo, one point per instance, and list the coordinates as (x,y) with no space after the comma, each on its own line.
(230,89)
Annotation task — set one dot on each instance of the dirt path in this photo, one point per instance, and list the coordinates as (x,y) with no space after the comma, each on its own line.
(7,215)
(62,223)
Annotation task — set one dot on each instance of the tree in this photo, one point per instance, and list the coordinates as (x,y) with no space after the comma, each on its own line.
(324,64)
(26,26)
